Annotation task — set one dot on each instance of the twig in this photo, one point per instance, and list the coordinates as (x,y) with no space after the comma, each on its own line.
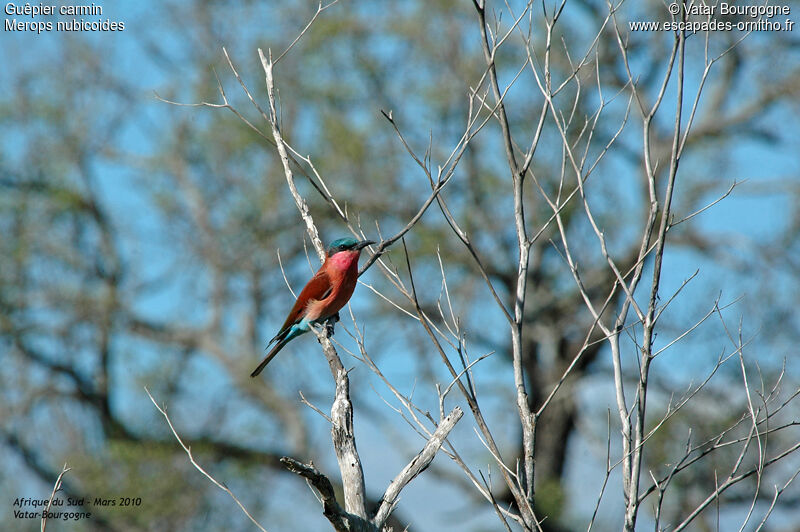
(197,466)
(320,9)
(56,488)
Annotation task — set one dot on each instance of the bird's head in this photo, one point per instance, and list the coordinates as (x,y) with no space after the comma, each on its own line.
(348,245)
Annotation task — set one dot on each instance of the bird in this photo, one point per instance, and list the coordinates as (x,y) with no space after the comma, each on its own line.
(323,296)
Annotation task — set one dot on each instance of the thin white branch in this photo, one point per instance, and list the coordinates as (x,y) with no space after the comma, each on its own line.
(416,466)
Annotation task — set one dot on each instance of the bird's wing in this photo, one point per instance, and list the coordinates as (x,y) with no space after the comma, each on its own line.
(319,287)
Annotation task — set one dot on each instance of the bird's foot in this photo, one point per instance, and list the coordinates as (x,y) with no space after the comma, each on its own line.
(329,324)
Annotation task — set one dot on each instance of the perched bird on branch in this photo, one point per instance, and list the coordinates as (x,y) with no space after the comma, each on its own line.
(327,292)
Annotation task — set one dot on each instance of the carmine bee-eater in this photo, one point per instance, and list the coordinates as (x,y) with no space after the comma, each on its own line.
(324,295)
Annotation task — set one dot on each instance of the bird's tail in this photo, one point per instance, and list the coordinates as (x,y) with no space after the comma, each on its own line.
(270,356)
(283,338)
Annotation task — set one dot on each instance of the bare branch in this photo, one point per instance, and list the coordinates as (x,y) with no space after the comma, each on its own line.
(339,518)
(302,206)
(418,464)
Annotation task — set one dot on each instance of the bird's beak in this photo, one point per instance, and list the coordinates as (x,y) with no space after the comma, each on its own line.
(364,243)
